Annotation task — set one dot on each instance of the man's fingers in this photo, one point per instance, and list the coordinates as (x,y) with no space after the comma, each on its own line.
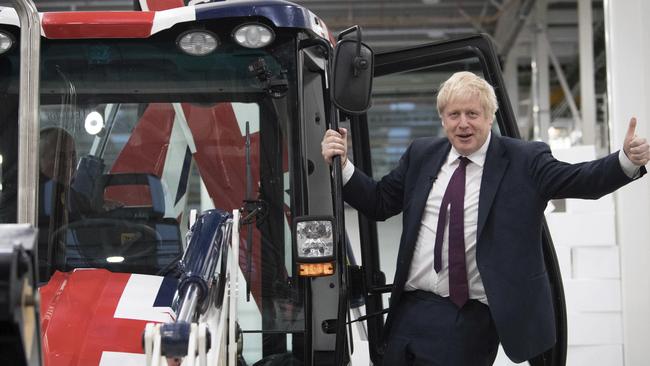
(332,133)
(331,148)
(638,141)
(640,159)
(334,144)
(640,151)
(638,145)
(342,132)
(631,129)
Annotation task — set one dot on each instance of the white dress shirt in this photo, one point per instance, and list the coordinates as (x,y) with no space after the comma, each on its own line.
(422,276)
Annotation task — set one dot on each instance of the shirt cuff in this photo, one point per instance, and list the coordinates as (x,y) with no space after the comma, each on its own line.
(627,165)
(347,172)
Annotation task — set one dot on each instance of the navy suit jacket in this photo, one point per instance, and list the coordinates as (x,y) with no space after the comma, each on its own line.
(519,178)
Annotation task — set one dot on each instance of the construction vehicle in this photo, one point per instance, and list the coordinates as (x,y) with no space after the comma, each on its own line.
(117,128)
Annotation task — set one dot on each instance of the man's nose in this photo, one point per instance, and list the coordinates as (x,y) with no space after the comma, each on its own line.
(463,121)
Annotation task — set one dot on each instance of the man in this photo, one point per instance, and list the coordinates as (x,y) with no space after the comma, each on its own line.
(470,269)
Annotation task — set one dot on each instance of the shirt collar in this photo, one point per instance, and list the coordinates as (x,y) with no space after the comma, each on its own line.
(478,157)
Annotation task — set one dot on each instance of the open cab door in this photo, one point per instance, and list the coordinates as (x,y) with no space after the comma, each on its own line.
(404,108)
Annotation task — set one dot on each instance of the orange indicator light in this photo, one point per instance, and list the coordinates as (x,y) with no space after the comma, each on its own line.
(316,269)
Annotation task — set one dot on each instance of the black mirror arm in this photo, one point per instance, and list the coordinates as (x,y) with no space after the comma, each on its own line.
(359,62)
(326,46)
(345,32)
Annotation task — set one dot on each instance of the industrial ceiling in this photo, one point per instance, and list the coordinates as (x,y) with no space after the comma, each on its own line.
(390,24)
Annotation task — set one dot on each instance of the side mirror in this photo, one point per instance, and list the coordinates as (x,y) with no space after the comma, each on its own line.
(352,73)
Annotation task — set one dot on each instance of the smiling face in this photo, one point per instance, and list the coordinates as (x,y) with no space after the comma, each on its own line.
(467,105)
(466,123)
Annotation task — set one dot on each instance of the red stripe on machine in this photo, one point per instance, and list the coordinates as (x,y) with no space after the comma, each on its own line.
(84,312)
(164,4)
(100,24)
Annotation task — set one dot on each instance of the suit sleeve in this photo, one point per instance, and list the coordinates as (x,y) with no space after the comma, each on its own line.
(378,200)
(589,180)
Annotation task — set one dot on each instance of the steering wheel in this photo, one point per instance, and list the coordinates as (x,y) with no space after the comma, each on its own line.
(97,239)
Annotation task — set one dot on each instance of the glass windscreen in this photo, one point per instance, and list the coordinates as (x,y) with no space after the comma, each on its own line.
(136,133)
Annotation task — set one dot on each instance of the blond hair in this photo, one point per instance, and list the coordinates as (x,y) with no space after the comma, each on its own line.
(465,84)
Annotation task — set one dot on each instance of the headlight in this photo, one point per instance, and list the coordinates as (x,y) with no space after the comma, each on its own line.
(197,42)
(314,245)
(314,239)
(253,35)
(6,42)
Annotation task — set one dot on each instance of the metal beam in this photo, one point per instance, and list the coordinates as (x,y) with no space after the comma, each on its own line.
(511,78)
(28,121)
(587,83)
(540,78)
(507,34)
(568,95)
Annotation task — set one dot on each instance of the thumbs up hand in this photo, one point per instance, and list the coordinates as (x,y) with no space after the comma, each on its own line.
(635,148)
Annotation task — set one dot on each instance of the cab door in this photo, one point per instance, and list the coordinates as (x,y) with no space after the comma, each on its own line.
(403,96)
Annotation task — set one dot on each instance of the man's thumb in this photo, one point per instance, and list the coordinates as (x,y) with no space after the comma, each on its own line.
(630,129)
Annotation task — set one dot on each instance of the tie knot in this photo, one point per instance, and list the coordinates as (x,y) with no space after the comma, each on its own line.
(464,161)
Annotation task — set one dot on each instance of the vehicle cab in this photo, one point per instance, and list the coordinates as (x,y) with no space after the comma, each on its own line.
(146,115)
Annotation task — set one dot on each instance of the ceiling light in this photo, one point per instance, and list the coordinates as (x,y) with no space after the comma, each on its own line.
(94,123)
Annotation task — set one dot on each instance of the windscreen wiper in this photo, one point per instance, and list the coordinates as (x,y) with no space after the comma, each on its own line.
(249,228)
(254,210)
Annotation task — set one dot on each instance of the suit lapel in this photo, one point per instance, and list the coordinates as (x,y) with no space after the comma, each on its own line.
(432,162)
(496,163)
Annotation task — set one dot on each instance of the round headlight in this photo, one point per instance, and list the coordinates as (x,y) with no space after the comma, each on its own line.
(197,43)
(6,41)
(253,35)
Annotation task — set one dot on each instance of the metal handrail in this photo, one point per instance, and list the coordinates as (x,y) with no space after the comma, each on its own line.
(28,120)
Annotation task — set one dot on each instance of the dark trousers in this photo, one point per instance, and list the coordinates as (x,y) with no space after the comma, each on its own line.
(430,330)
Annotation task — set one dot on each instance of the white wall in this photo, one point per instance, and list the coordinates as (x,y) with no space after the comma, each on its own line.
(585,240)
(628,52)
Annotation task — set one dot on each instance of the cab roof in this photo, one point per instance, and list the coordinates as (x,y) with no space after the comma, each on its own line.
(142,24)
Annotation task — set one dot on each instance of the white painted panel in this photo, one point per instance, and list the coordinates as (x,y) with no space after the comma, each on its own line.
(564,260)
(600,262)
(575,154)
(595,328)
(604,204)
(593,295)
(582,229)
(609,355)
(122,359)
